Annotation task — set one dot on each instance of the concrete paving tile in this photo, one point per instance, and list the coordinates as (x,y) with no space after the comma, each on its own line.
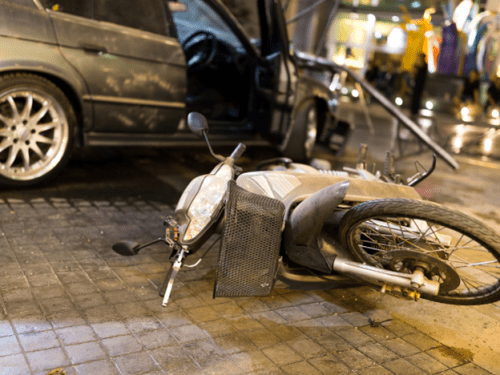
(378,316)
(131,309)
(137,363)
(217,328)
(379,333)
(42,280)
(50,291)
(62,267)
(402,367)
(22,309)
(426,363)
(378,353)
(400,328)
(170,357)
(190,368)
(329,364)
(76,335)
(89,301)
(300,368)
(269,318)
(312,328)
(276,302)
(400,347)
(54,305)
(102,314)
(287,332)
(220,366)
(77,289)
(188,333)
(103,367)
(229,309)
(5,328)
(18,295)
(315,310)
(470,369)
(253,361)
(282,354)
(334,322)
(307,348)
(115,288)
(202,314)
(28,324)
(9,346)
(38,340)
(235,343)
(356,319)
(110,329)
(68,318)
(156,339)
(204,350)
(190,302)
(142,323)
(374,370)
(14,365)
(47,359)
(252,305)
(354,359)
(292,314)
(421,341)
(355,337)
(121,345)
(262,338)
(245,323)
(70,277)
(174,319)
(86,352)
(447,356)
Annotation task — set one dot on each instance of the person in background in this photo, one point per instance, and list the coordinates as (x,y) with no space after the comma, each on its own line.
(493,94)
(419,73)
(469,92)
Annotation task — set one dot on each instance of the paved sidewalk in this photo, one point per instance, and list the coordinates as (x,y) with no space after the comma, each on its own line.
(68,301)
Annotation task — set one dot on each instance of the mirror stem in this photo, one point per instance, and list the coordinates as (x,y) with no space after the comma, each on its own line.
(218,157)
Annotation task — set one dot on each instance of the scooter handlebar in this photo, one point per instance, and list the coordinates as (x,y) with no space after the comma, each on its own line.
(238,151)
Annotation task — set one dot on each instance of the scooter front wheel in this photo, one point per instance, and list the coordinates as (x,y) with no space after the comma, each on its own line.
(448,246)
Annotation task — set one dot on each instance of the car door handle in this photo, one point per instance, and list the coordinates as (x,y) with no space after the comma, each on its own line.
(94,48)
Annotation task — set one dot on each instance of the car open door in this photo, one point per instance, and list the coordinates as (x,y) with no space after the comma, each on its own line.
(277,74)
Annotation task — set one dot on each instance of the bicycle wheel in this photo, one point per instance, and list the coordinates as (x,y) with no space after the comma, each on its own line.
(456,250)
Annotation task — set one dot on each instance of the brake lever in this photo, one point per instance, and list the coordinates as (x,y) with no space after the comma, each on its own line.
(425,174)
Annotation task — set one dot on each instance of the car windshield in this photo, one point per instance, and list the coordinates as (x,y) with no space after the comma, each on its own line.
(196,15)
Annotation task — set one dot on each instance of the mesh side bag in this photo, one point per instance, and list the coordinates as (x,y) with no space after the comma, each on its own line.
(248,258)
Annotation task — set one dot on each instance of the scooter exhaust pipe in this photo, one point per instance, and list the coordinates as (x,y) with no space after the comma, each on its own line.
(412,281)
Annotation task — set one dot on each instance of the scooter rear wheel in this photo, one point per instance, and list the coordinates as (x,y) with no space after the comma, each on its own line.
(449,246)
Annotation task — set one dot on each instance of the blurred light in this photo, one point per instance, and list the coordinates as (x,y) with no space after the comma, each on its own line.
(396,39)
(457,144)
(464,111)
(377,34)
(495,113)
(427,112)
(488,144)
(411,27)
(425,123)
(398,101)
(355,93)
(344,90)
(395,19)
(429,104)
(415,4)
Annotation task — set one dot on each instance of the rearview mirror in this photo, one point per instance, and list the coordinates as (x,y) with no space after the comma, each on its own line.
(197,123)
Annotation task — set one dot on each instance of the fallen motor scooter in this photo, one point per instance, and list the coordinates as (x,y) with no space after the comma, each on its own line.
(293,226)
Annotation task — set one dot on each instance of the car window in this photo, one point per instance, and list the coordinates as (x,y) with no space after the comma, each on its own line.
(82,8)
(195,15)
(146,15)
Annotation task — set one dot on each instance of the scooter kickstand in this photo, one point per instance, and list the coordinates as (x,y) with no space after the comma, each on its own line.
(172,273)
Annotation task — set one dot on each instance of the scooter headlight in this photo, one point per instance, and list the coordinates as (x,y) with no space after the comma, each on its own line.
(202,202)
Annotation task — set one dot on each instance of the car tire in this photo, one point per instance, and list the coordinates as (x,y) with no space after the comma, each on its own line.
(303,136)
(37,125)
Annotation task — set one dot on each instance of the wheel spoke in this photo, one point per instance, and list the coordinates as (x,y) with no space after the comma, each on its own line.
(40,128)
(15,112)
(37,151)
(42,139)
(26,157)
(5,120)
(5,144)
(27,107)
(42,112)
(14,150)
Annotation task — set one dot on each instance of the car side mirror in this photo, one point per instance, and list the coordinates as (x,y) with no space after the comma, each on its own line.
(197,123)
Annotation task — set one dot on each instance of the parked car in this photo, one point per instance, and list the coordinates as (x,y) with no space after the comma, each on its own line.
(126,73)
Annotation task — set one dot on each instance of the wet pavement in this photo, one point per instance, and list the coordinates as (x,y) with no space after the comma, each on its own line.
(68,301)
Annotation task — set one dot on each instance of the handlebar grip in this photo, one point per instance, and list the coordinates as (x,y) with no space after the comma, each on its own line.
(238,151)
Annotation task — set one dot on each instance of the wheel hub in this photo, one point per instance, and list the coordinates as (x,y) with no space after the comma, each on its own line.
(434,268)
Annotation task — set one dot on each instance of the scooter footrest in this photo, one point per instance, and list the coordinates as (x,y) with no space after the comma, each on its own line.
(248,259)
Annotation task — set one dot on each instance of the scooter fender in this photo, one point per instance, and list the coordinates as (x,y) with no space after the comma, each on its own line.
(305,223)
